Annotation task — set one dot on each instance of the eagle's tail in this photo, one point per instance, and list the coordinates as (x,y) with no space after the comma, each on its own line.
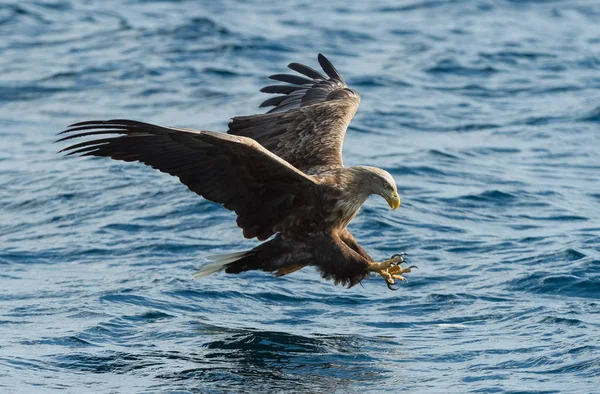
(218,262)
(275,255)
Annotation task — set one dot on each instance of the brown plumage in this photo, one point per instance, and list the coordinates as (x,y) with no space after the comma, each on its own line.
(281,172)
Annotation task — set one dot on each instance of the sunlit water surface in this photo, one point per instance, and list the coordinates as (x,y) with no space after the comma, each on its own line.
(486,112)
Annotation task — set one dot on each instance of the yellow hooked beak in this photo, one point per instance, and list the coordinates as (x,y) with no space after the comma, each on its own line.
(393,199)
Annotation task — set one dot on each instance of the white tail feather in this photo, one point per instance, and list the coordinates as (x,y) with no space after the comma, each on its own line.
(218,262)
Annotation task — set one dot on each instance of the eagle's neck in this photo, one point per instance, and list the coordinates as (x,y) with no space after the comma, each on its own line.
(346,210)
(356,185)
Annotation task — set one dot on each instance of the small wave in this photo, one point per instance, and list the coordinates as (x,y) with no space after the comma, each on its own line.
(373,81)
(512,56)
(561,321)
(451,66)
(591,116)
(414,6)
(490,136)
(571,285)
(68,341)
(197,28)
(496,196)
(446,155)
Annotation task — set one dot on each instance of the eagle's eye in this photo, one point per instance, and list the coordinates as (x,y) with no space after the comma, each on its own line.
(388,186)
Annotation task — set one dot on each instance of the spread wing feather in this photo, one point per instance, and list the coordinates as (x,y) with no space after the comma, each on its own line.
(290,78)
(237,172)
(306,70)
(308,123)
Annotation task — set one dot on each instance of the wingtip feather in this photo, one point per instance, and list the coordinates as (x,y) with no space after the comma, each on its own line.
(329,69)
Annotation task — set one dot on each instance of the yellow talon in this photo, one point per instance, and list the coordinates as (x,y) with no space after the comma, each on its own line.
(390,270)
(399,270)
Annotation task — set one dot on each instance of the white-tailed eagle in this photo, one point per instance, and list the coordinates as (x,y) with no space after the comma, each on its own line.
(280,172)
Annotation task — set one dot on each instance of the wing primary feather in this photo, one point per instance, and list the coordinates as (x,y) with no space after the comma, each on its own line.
(91,152)
(294,79)
(306,70)
(90,127)
(83,150)
(329,69)
(273,101)
(114,122)
(98,123)
(86,143)
(282,89)
(92,133)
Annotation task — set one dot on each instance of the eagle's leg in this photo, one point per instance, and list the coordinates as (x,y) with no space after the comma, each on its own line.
(390,269)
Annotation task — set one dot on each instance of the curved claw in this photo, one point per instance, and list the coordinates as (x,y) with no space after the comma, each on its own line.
(413,266)
(397,255)
(389,285)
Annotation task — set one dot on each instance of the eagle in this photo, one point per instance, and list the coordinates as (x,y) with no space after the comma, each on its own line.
(281,172)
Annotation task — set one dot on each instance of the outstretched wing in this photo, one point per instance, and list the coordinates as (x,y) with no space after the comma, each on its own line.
(237,172)
(308,124)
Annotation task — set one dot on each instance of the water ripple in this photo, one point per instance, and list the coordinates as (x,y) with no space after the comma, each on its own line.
(486,113)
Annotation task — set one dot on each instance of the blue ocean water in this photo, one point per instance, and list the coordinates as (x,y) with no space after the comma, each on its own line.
(486,112)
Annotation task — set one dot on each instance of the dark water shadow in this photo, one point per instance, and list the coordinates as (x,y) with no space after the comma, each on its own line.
(240,359)
(270,360)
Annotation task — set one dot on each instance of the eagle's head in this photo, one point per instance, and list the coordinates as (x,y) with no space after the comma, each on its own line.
(377,181)
(386,188)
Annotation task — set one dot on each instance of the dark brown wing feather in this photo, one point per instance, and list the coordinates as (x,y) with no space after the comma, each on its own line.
(237,172)
(308,124)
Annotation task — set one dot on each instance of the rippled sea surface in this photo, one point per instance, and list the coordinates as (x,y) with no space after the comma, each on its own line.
(486,112)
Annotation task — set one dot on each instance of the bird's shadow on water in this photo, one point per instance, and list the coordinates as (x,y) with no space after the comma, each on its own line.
(272,360)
